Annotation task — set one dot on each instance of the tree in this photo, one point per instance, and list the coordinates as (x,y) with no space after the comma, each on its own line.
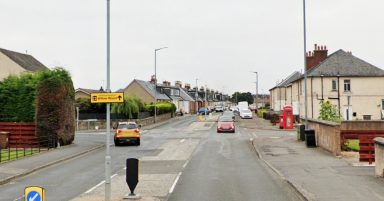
(328,112)
(245,96)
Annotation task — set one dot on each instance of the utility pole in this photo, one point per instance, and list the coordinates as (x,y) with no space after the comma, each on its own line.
(257,80)
(305,67)
(196,95)
(107,151)
(156,83)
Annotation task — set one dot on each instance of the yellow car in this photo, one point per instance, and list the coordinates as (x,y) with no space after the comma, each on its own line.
(127,132)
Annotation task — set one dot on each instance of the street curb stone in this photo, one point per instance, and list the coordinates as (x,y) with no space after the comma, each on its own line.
(7,180)
(298,189)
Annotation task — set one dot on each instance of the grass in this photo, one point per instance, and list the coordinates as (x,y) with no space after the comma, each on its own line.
(13,154)
(353,145)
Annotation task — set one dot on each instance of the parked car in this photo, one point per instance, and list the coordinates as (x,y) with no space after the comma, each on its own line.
(219,108)
(202,110)
(225,124)
(229,114)
(127,132)
(246,114)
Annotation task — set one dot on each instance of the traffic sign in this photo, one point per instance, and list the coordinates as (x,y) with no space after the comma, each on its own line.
(34,193)
(107,97)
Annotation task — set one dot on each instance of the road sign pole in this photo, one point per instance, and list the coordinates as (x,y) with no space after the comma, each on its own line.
(107,151)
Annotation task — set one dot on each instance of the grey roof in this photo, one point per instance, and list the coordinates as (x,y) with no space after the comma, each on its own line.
(26,61)
(345,64)
(176,98)
(88,91)
(287,81)
(150,88)
(185,96)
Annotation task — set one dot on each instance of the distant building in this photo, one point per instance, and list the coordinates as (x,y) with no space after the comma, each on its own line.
(14,63)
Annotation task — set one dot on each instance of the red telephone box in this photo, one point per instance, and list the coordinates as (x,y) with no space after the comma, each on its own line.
(286,121)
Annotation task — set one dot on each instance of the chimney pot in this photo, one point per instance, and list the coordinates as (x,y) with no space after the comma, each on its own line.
(315,46)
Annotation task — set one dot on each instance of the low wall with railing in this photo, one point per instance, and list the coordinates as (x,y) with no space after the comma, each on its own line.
(94,124)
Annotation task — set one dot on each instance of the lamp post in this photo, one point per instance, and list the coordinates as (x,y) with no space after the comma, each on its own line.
(107,151)
(196,95)
(257,80)
(206,103)
(305,66)
(156,82)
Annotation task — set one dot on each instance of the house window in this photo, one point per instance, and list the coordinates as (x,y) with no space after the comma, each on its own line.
(334,85)
(347,85)
(175,92)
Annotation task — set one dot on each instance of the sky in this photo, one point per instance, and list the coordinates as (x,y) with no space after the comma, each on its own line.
(218,42)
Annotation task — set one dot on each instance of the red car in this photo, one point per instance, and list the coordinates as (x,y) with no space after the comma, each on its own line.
(225,124)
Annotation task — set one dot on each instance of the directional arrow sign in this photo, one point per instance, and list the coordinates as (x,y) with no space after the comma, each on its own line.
(107,97)
(34,193)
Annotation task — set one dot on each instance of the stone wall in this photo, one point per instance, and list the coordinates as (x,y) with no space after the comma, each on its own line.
(379,156)
(327,135)
(101,124)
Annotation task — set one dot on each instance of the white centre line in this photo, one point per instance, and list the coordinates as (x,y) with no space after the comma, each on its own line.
(181,141)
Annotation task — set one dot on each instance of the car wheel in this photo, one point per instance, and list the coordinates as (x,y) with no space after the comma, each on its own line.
(116,142)
(138,142)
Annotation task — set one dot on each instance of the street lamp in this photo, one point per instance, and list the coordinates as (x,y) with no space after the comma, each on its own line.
(107,151)
(156,82)
(206,103)
(257,80)
(196,95)
(305,66)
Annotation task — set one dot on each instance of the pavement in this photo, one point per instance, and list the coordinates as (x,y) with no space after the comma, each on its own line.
(22,167)
(315,173)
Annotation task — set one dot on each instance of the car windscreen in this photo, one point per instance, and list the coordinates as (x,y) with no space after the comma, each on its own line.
(246,111)
(127,126)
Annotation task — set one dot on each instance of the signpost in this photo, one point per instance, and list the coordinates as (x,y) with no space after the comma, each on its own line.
(107,97)
(132,176)
(34,193)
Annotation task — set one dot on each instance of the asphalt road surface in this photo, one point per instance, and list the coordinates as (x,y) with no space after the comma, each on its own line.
(225,167)
(69,179)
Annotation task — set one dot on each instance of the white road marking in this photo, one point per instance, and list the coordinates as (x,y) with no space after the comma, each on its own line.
(251,139)
(181,141)
(98,185)
(174,183)
(19,198)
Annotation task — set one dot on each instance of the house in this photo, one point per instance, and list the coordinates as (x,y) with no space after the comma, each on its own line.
(354,86)
(145,90)
(86,93)
(282,93)
(14,63)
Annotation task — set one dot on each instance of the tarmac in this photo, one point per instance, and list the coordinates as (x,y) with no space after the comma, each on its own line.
(18,168)
(315,173)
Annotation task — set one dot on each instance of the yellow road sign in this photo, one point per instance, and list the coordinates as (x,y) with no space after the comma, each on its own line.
(34,193)
(107,97)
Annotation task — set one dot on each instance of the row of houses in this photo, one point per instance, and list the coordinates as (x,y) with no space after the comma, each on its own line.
(186,99)
(353,85)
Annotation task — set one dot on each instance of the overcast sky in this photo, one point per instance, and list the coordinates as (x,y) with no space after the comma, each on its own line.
(217,41)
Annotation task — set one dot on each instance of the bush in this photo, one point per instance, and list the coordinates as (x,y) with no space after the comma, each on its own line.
(55,108)
(161,108)
(130,108)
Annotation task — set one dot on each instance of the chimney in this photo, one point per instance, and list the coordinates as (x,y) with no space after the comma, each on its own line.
(178,84)
(201,88)
(187,86)
(153,79)
(319,54)
(166,83)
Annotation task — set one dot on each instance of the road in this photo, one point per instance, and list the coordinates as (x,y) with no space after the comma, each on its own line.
(225,167)
(67,180)
(189,159)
